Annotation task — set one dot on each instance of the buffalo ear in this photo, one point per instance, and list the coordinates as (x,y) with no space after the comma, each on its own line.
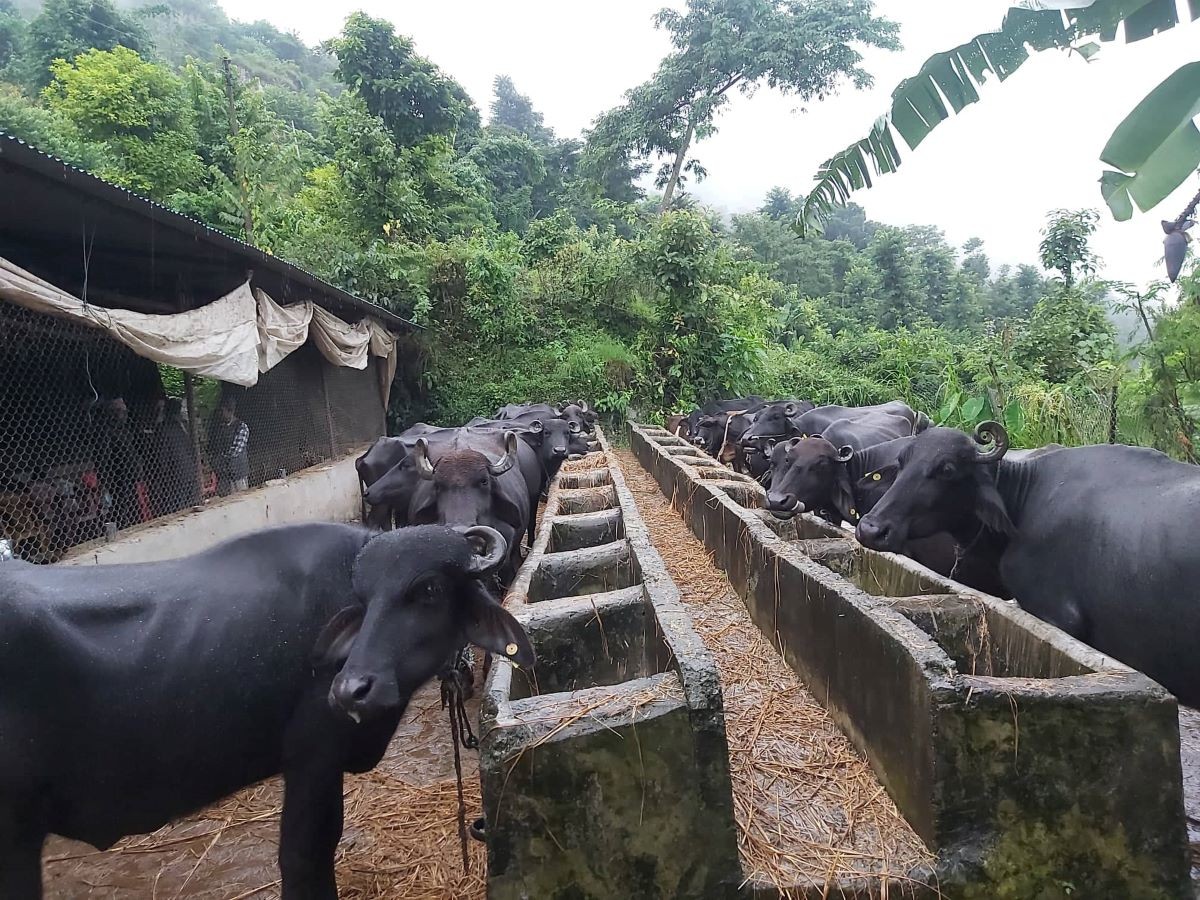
(490,626)
(843,494)
(332,648)
(989,507)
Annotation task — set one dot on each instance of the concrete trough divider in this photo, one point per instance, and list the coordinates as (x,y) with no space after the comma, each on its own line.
(605,770)
(1023,758)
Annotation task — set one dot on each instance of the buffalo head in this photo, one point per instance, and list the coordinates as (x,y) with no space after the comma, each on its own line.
(420,597)
(463,488)
(809,474)
(773,422)
(945,481)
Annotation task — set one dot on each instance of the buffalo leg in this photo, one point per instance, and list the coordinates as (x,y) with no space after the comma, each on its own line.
(20,864)
(310,829)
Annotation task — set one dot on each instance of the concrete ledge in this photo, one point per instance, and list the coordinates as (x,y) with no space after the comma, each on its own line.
(605,771)
(328,492)
(1022,757)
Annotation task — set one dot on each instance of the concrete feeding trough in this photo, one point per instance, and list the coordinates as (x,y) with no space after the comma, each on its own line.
(1027,761)
(605,769)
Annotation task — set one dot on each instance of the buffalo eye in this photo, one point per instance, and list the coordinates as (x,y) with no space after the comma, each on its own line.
(428,592)
(483,482)
(945,470)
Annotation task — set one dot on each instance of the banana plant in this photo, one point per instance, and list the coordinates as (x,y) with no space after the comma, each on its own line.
(1148,161)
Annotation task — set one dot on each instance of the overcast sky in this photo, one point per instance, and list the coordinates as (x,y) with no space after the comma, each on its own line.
(1030,145)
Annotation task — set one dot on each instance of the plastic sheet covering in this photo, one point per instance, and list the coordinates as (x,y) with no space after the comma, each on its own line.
(219,340)
(232,339)
(281,329)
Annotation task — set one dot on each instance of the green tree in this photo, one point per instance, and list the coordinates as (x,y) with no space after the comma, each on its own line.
(66,28)
(975,262)
(1068,335)
(1065,240)
(137,110)
(897,297)
(779,205)
(808,49)
(850,223)
(513,167)
(12,34)
(414,98)
(512,109)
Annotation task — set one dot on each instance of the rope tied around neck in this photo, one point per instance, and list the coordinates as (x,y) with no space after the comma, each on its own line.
(456,681)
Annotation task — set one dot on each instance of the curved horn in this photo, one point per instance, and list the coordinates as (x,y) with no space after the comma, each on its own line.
(424,466)
(584,407)
(845,453)
(536,426)
(493,551)
(509,459)
(574,428)
(991,433)
(789,410)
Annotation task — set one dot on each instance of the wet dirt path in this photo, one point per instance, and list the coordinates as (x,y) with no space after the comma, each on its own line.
(808,807)
(400,840)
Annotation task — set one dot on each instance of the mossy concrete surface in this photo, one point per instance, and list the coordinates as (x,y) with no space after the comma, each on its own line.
(1034,766)
(605,770)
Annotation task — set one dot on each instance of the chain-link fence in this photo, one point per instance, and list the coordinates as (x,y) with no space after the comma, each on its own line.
(94,439)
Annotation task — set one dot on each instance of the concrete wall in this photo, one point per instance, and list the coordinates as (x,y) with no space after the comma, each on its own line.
(1025,759)
(328,492)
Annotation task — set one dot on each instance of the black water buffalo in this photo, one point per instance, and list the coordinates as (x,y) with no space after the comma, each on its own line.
(577,412)
(472,488)
(519,409)
(813,473)
(1096,540)
(778,423)
(691,422)
(134,694)
(553,440)
(580,413)
(381,457)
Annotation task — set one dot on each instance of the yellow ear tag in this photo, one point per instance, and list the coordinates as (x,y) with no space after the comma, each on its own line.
(511,649)
(854,513)
(876,477)
(804,437)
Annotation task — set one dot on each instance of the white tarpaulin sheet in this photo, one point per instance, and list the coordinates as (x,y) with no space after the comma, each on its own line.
(281,329)
(232,339)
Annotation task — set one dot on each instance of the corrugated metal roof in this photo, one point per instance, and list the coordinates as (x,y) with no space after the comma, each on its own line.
(16,151)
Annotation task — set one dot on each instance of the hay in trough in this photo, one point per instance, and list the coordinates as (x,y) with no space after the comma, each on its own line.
(594,460)
(809,809)
(400,838)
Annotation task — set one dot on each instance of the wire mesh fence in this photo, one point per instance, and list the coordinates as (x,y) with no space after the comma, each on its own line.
(95,440)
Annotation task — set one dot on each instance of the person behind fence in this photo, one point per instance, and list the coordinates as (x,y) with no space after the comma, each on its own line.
(175,484)
(120,464)
(228,440)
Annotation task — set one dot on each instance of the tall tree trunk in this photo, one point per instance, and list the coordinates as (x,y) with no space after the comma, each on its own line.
(680,155)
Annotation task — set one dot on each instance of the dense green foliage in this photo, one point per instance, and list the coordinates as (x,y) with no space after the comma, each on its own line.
(536,265)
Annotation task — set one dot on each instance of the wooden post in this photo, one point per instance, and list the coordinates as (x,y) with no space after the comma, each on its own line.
(189,393)
(1112,416)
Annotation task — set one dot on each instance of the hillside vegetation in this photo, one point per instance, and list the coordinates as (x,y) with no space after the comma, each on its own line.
(538,265)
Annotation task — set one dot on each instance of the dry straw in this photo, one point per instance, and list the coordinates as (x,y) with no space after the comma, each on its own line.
(810,812)
(400,839)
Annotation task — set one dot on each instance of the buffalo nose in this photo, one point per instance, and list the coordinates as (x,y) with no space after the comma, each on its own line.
(560,451)
(872,534)
(351,694)
(780,501)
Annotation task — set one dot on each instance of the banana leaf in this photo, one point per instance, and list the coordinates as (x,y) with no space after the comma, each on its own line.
(950,81)
(1156,148)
